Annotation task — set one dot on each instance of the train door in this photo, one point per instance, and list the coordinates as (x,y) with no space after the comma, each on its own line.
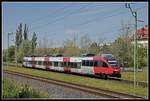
(66,61)
(46,60)
(101,67)
(87,67)
(33,62)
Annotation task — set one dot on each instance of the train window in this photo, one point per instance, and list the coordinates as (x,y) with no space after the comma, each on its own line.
(78,65)
(30,62)
(87,63)
(56,64)
(45,62)
(83,62)
(49,63)
(75,65)
(104,64)
(36,62)
(52,63)
(90,63)
(71,65)
(95,63)
(62,64)
(99,64)
(65,64)
(59,64)
(39,62)
(68,64)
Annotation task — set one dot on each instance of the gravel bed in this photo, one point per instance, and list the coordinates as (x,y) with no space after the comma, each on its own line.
(55,91)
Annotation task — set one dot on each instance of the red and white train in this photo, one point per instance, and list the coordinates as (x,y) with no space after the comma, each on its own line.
(80,65)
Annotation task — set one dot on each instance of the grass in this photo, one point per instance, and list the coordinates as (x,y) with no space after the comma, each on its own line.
(11,64)
(140,76)
(105,84)
(12,89)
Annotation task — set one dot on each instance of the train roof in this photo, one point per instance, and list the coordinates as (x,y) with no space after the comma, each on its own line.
(74,58)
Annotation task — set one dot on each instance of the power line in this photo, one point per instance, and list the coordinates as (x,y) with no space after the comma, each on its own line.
(95,19)
(52,13)
(56,20)
(67,16)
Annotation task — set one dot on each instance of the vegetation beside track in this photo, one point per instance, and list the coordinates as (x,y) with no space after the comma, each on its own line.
(105,84)
(140,76)
(12,89)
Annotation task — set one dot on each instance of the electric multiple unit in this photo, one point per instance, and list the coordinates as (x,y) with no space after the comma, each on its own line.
(81,65)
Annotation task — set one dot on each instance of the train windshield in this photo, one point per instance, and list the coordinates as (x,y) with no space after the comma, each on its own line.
(111,60)
(113,64)
(108,56)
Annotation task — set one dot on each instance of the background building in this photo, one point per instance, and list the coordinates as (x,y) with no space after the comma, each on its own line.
(142,36)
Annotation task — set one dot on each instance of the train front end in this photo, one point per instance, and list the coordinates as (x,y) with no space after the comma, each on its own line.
(115,68)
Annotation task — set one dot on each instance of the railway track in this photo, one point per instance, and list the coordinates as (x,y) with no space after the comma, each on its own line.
(96,91)
(139,83)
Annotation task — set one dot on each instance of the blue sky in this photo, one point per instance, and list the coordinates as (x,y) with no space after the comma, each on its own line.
(56,22)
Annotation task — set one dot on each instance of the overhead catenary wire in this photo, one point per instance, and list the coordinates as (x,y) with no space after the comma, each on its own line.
(58,10)
(97,18)
(84,23)
(51,14)
(61,18)
(77,13)
(89,21)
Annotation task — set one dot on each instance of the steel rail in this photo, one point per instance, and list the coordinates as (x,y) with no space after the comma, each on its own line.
(140,83)
(93,90)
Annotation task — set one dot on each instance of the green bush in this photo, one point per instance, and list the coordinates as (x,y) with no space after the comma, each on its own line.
(12,90)
(27,92)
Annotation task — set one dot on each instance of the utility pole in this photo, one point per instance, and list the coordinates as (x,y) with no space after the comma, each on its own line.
(16,55)
(8,46)
(134,14)
(74,38)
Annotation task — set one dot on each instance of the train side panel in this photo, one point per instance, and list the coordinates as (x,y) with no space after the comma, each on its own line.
(57,64)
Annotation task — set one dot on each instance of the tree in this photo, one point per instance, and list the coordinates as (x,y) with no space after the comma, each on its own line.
(100,41)
(11,53)
(18,36)
(122,48)
(94,48)
(142,56)
(84,43)
(4,55)
(104,48)
(68,43)
(25,32)
(34,42)
(70,49)
(24,49)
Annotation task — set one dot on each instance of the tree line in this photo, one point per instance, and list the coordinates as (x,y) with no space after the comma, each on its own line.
(121,48)
(23,45)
